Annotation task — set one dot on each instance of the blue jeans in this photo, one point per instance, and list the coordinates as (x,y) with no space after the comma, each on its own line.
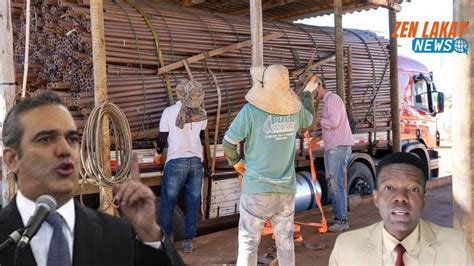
(179,174)
(335,164)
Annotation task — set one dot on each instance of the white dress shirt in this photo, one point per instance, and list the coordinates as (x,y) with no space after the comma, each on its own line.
(40,242)
(411,243)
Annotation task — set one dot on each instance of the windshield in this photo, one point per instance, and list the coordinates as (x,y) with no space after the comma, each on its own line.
(421,95)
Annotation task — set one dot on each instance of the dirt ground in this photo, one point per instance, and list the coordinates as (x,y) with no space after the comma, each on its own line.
(221,248)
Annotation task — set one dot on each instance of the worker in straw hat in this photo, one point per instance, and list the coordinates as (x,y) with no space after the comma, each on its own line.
(180,127)
(268,124)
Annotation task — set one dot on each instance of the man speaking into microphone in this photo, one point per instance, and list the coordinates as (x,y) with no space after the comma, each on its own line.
(41,148)
(45,205)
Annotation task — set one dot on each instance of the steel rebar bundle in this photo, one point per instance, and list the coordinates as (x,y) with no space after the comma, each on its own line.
(61,59)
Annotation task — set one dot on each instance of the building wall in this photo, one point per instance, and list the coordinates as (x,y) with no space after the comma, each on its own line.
(463,131)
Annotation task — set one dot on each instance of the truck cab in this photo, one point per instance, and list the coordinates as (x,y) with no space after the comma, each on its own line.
(420,102)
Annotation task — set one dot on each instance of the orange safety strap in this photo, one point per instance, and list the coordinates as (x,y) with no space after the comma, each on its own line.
(323,226)
(267,230)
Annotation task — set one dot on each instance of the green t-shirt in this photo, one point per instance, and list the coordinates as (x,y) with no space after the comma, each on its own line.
(269,148)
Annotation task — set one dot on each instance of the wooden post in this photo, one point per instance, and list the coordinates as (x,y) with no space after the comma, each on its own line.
(462,126)
(339,56)
(256,25)
(394,98)
(100,93)
(7,82)
(339,49)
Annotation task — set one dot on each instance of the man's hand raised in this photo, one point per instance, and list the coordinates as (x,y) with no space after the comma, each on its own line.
(137,204)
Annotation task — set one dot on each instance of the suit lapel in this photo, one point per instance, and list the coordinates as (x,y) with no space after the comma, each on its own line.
(10,220)
(427,239)
(87,237)
(373,248)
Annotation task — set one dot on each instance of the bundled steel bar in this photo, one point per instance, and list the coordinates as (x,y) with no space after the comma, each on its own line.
(61,59)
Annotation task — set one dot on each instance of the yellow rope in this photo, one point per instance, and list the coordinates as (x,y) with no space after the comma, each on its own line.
(158,50)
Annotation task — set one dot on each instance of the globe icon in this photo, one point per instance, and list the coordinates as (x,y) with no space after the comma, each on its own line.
(461,45)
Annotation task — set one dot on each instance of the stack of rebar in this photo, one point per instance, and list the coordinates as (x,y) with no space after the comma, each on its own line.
(61,59)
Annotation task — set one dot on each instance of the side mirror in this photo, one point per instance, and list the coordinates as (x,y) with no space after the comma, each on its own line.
(440,102)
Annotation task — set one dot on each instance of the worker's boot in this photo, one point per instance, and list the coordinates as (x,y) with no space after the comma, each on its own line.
(339,226)
(188,246)
(331,221)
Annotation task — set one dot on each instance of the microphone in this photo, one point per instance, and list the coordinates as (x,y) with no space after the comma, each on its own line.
(13,238)
(44,205)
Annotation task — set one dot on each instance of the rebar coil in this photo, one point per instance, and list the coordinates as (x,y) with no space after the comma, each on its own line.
(61,60)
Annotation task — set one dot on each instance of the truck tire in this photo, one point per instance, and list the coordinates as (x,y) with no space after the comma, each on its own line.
(177,223)
(360,179)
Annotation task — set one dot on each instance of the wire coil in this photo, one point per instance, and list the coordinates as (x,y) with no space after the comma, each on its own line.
(92,152)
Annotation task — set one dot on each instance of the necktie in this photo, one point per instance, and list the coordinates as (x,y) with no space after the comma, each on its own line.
(58,254)
(400,250)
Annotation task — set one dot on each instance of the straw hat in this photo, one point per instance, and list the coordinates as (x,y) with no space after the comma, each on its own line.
(271,91)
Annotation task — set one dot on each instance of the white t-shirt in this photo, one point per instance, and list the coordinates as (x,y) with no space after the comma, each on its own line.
(182,143)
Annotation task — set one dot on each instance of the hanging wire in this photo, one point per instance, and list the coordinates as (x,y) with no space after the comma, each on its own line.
(91,153)
(27,48)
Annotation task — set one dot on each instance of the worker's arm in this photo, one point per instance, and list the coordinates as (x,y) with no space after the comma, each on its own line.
(166,122)
(307,115)
(233,157)
(308,91)
(162,139)
(230,151)
(238,131)
(308,102)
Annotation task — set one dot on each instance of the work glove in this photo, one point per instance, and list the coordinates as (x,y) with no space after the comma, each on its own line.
(240,167)
(159,157)
(312,84)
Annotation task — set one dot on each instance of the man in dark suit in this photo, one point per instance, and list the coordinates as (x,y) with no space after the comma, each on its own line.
(41,148)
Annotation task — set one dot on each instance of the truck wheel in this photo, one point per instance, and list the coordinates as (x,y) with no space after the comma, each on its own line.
(360,179)
(177,223)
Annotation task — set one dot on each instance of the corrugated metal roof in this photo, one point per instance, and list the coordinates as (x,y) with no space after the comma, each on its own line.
(287,9)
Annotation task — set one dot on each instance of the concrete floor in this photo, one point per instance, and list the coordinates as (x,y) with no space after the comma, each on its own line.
(220,248)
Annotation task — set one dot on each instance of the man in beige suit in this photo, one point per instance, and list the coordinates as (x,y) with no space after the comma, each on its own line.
(402,238)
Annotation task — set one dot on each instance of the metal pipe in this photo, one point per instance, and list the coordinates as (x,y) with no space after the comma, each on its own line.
(131,59)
